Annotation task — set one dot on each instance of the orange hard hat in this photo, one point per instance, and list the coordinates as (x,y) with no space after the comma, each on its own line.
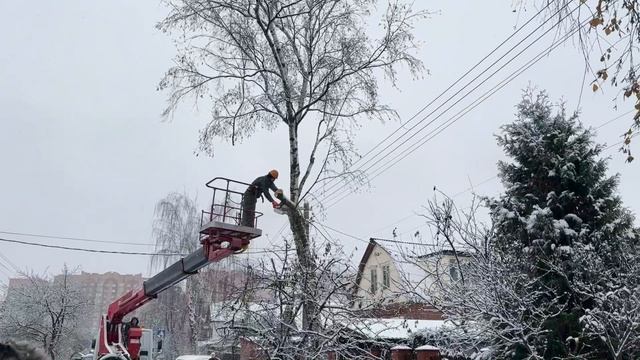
(274,174)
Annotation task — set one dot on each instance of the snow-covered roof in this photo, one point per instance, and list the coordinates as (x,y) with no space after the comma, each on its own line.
(193,357)
(401,347)
(394,328)
(427,347)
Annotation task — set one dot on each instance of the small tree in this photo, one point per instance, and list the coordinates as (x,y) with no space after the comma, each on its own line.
(48,312)
(291,63)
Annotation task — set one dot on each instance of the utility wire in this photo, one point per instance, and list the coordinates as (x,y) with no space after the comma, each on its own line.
(87,250)
(74,238)
(407,242)
(13,266)
(375,239)
(619,142)
(614,119)
(466,190)
(7,274)
(496,176)
(342,232)
(474,186)
(404,153)
(116,252)
(422,141)
(451,97)
(395,223)
(455,195)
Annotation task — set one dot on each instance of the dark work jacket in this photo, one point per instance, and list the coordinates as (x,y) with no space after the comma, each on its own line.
(261,186)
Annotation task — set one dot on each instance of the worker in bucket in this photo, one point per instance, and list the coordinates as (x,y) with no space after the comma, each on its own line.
(258,188)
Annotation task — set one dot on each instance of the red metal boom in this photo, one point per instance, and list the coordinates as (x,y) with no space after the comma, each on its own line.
(221,236)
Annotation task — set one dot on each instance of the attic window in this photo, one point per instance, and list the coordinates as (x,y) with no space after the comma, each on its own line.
(385,277)
(374,280)
(453,270)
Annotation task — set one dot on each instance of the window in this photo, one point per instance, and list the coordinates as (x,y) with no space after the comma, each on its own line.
(374,280)
(453,270)
(385,277)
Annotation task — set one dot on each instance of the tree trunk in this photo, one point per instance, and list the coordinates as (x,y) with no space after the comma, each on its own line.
(50,351)
(298,225)
(191,308)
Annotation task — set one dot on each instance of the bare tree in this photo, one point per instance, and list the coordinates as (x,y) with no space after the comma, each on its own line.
(494,310)
(616,320)
(176,231)
(291,62)
(268,310)
(46,311)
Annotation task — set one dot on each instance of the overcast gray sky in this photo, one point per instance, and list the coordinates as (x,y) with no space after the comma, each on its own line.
(85,153)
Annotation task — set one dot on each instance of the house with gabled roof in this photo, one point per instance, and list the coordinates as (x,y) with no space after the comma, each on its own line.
(397,279)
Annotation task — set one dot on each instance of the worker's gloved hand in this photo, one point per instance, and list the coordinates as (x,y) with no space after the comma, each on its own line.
(275,204)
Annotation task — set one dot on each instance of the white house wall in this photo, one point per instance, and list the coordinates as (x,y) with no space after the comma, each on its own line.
(406,277)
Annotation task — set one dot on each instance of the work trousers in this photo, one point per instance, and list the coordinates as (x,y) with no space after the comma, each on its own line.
(249,201)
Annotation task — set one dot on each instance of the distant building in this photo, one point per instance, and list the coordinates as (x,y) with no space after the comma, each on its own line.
(16,284)
(102,289)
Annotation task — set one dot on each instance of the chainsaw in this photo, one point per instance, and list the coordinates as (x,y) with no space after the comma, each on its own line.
(284,204)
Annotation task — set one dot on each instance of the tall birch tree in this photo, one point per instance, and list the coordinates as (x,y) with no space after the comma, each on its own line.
(270,63)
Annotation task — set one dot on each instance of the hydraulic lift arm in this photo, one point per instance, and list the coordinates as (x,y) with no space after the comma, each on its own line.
(110,329)
(221,236)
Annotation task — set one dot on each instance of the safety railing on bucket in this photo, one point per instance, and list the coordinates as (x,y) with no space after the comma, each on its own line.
(227,203)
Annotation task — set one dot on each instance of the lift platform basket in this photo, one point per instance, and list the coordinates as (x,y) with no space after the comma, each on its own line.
(226,215)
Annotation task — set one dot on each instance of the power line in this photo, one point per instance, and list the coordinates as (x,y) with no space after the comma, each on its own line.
(7,274)
(620,142)
(476,65)
(453,196)
(423,140)
(373,238)
(395,223)
(451,97)
(74,238)
(406,242)
(87,250)
(404,153)
(496,176)
(614,119)
(470,188)
(117,252)
(13,266)
(474,186)
(342,232)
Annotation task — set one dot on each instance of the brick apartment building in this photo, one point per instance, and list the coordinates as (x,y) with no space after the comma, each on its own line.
(102,289)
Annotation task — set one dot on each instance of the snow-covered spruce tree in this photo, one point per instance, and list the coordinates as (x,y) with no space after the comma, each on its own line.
(561,223)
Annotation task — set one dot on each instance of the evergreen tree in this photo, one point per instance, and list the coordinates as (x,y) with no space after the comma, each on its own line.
(561,225)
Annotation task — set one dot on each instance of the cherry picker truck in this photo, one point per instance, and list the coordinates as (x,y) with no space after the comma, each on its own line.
(221,235)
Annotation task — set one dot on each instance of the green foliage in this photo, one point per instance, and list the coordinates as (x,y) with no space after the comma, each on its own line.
(561,224)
